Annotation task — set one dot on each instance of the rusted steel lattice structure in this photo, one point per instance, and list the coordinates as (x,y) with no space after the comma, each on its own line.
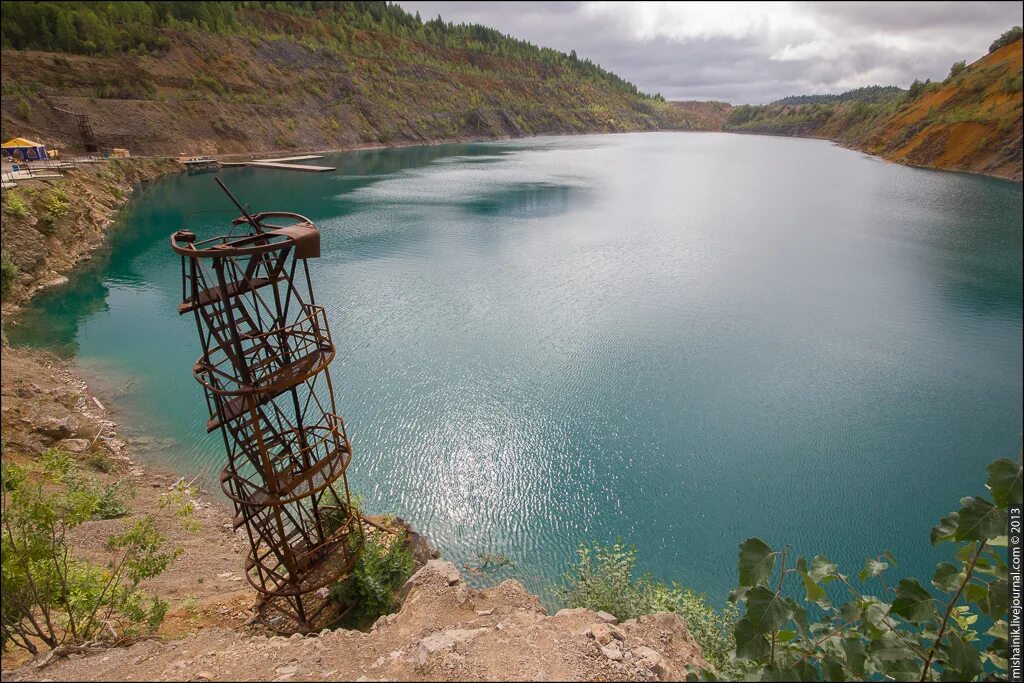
(264,369)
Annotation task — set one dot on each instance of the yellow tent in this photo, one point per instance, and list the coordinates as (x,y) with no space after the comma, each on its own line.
(22,148)
(21,142)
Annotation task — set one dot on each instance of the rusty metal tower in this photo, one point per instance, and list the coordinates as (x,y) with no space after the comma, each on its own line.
(266,348)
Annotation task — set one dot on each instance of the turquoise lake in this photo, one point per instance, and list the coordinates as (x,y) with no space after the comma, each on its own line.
(680,339)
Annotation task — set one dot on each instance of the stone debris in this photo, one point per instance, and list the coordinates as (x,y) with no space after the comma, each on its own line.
(74,445)
(443,641)
(612,652)
(605,633)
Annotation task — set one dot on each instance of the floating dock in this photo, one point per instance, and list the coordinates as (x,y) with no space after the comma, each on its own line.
(284,163)
(290,167)
(280,162)
(305,157)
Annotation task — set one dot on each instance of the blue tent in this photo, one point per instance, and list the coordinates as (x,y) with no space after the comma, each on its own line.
(24,150)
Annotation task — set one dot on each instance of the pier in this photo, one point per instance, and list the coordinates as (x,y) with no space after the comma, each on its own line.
(285,163)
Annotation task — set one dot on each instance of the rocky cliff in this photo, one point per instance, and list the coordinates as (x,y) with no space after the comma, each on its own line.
(51,224)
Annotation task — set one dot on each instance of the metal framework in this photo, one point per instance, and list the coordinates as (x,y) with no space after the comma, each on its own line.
(266,348)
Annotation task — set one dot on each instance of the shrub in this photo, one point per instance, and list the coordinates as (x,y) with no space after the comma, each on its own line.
(56,202)
(15,205)
(23,109)
(1012,83)
(871,630)
(383,567)
(1005,39)
(101,461)
(8,271)
(49,595)
(112,501)
(957,68)
(603,580)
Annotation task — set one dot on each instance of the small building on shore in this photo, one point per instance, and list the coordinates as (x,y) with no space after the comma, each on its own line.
(23,149)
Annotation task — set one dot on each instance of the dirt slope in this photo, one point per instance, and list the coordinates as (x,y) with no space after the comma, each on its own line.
(46,404)
(444,631)
(281,88)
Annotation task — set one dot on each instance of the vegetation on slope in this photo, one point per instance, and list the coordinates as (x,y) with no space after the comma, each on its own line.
(971,121)
(246,76)
(871,93)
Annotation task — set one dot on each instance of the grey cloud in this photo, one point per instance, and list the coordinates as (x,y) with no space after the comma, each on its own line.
(899,41)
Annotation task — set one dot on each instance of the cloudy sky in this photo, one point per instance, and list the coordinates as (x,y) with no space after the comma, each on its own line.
(751,52)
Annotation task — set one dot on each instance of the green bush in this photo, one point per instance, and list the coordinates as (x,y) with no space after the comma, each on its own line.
(56,202)
(383,567)
(868,629)
(957,68)
(8,271)
(49,595)
(1012,83)
(47,223)
(1005,39)
(53,205)
(15,204)
(603,579)
(23,109)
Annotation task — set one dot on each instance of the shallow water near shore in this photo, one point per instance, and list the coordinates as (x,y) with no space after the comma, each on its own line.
(680,339)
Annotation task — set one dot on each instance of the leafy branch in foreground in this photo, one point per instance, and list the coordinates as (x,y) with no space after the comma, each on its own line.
(895,633)
(50,597)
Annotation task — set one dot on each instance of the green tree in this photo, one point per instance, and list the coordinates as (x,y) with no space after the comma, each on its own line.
(50,596)
(957,68)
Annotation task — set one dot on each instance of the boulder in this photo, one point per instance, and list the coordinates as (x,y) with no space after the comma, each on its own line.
(647,658)
(612,652)
(58,427)
(74,445)
(604,634)
(444,640)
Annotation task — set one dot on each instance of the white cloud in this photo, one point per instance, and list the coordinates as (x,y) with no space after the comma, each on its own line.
(751,52)
(814,49)
(684,21)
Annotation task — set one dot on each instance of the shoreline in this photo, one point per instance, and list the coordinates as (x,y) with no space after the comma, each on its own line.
(852,148)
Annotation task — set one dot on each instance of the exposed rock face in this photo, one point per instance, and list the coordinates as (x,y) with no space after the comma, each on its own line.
(444,631)
(45,243)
